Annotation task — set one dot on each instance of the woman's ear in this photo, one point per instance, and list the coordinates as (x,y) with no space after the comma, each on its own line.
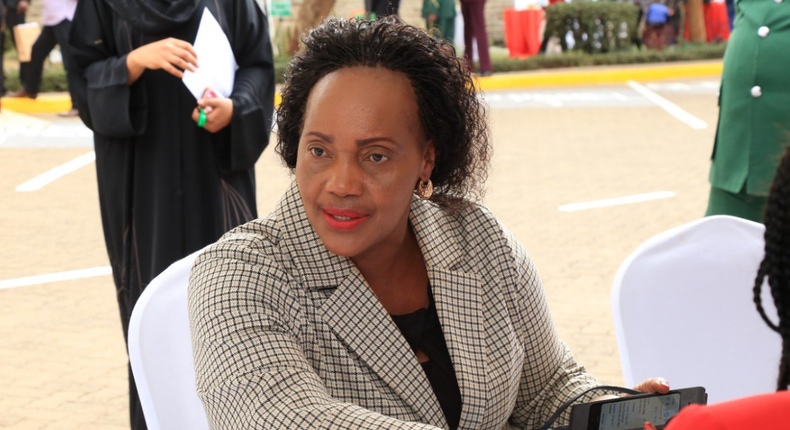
(428,162)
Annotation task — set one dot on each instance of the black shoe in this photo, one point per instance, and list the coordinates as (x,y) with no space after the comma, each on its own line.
(70,114)
(22,94)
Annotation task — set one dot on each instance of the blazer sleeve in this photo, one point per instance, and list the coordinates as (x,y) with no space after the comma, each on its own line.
(250,368)
(550,375)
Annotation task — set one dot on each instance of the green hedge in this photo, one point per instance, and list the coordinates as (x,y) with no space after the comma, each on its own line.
(54,79)
(686,52)
(597,27)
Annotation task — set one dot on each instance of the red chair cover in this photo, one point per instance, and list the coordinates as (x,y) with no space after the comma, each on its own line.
(522,31)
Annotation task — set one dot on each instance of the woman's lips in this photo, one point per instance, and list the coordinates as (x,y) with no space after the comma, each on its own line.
(343,219)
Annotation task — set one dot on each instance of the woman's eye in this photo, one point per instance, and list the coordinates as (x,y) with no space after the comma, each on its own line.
(318,152)
(378,158)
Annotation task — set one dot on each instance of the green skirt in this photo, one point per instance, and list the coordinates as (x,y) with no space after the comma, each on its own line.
(741,205)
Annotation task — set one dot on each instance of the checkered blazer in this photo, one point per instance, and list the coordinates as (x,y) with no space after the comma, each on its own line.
(287,335)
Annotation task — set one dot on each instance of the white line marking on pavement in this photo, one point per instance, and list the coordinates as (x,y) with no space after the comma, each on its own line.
(45,178)
(573,207)
(56,277)
(673,109)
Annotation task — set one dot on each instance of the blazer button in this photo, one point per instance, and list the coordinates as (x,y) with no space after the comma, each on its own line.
(763,31)
(757,91)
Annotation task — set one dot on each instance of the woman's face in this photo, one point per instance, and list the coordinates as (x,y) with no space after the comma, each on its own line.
(361,152)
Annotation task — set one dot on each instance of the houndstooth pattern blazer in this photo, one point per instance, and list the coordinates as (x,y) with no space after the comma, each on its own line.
(287,335)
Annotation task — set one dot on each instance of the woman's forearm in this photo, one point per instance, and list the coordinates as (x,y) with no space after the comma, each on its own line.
(134,67)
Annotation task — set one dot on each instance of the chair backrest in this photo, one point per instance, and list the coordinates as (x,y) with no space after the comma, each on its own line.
(683,309)
(160,352)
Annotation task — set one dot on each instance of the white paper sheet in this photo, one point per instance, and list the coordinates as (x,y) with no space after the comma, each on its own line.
(215,57)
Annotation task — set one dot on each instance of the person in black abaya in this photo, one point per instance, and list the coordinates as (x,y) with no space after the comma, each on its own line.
(168,187)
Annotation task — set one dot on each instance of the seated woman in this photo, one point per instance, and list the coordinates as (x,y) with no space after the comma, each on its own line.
(357,304)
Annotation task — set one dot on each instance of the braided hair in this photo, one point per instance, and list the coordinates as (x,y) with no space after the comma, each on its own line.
(776,264)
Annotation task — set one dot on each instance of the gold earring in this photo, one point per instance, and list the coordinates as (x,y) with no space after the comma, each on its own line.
(425,189)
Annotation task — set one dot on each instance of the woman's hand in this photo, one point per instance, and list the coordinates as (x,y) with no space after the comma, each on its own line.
(219,112)
(171,55)
(653,385)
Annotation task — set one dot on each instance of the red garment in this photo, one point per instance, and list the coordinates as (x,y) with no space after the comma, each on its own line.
(717,24)
(763,412)
(522,31)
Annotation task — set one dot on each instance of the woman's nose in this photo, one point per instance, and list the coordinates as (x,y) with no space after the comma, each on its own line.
(344,179)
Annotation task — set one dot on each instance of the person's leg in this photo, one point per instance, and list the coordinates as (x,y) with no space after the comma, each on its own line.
(380,8)
(637,40)
(447,27)
(62,37)
(2,54)
(13,19)
(31,79)
(741,205)
(730,11)
(466,12)
(393,6)
(481,36)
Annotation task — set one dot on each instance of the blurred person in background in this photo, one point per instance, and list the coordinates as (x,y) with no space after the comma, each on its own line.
(2,54)
(473,12)
(382,8)
(656,19)
(169,182)
(440,14)
(14,15)
(754,110)
(56,16)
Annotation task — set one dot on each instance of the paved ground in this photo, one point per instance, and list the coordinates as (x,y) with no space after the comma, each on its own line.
(62,357)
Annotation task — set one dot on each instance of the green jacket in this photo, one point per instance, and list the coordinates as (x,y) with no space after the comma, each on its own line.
(442,8)
(754,114)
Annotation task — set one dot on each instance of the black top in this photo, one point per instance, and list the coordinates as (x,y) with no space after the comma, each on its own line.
(423,332)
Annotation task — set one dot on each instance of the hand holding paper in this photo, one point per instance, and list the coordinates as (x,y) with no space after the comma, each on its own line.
(171,55)
(218,64)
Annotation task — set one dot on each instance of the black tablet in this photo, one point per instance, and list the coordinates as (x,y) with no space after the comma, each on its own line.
(631,412)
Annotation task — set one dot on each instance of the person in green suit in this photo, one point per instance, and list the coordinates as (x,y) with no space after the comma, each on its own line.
(440,14)
(754,114)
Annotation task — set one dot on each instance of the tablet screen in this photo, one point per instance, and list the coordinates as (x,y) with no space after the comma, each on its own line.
(632,414)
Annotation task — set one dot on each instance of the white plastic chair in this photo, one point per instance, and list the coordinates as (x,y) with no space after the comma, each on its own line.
(682,309)
(160,352)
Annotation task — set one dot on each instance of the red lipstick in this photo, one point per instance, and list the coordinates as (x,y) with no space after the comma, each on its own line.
(343,219)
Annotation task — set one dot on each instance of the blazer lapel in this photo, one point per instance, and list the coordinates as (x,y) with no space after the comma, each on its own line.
(358,319)
(355,315)
(458,303)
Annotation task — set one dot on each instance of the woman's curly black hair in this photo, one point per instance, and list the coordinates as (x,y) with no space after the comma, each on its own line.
(451,114)
(776,263)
